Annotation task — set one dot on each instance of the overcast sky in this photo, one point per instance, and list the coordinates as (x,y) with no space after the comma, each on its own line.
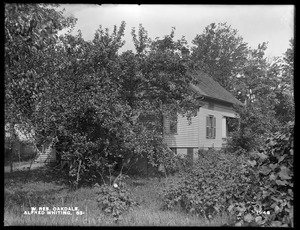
(255,23)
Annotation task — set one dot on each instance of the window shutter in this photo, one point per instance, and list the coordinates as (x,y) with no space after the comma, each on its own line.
(214,127)
(207,127)
(226,129)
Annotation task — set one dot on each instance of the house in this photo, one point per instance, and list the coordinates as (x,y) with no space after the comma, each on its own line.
(208,128)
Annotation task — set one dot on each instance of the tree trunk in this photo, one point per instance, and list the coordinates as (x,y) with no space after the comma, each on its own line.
(147,167)
(18,150)
(11,160)
(77,180)
(12,140)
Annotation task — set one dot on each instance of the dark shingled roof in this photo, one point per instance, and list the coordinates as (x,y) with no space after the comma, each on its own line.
(209,88)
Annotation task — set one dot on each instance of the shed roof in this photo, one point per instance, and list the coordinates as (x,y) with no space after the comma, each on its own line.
(209,88)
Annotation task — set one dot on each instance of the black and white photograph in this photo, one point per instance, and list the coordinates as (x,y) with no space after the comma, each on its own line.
(149,115)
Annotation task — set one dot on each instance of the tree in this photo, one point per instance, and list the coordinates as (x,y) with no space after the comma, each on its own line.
(156,82)
(30,32)
(220,52)
(284,108)
(263,86)
(103,97)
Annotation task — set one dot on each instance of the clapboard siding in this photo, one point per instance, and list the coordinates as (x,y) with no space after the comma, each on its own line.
(219,111)
(194,135)
(187,134)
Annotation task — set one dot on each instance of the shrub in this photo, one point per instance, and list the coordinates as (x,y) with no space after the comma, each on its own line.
(255,190)
(272,204)
(208,187)
(115,199)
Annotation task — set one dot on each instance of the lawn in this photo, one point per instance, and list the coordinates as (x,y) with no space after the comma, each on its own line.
(46,188)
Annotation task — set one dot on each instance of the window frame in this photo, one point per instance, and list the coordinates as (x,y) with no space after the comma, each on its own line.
(211,127)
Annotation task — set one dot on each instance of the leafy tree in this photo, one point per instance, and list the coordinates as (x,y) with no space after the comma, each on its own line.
(92,98)
(156,82)
(30,33)
(89,95)
(285,104)
(256,85)
(264,85)
(220,52)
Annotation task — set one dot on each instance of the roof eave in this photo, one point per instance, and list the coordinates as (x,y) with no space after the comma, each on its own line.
(224,101)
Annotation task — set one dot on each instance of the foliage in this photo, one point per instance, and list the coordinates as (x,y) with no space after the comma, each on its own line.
(265,85)
(243,139)
(285,107)
(92,99)
(115,199)
(208,186)
(86,94)
(272,203)
(51,195)
(260,85)
(220,52)
(30,30)
(255,190)
(117,90)
(30,38)
(156,83)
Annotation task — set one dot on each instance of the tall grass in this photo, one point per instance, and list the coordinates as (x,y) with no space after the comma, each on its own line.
(20,197)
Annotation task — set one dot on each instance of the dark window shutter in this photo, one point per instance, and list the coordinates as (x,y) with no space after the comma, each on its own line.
(226,128)
(214,127)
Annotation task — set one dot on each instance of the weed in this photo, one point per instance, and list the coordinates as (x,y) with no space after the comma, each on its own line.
(19,197)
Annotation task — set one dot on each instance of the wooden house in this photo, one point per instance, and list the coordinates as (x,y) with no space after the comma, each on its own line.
(208,128)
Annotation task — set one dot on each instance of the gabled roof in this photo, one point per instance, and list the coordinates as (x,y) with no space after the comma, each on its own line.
(209,88)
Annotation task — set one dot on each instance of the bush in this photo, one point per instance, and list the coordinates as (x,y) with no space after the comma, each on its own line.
(115,199)
(255,190)
(272,203)
(208,187)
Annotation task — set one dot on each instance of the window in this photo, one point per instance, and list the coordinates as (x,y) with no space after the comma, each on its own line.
(170,124)
(210,127)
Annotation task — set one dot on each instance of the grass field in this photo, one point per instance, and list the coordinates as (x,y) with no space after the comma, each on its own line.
(46,188)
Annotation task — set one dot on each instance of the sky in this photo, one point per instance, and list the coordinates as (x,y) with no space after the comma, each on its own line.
(255,23)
